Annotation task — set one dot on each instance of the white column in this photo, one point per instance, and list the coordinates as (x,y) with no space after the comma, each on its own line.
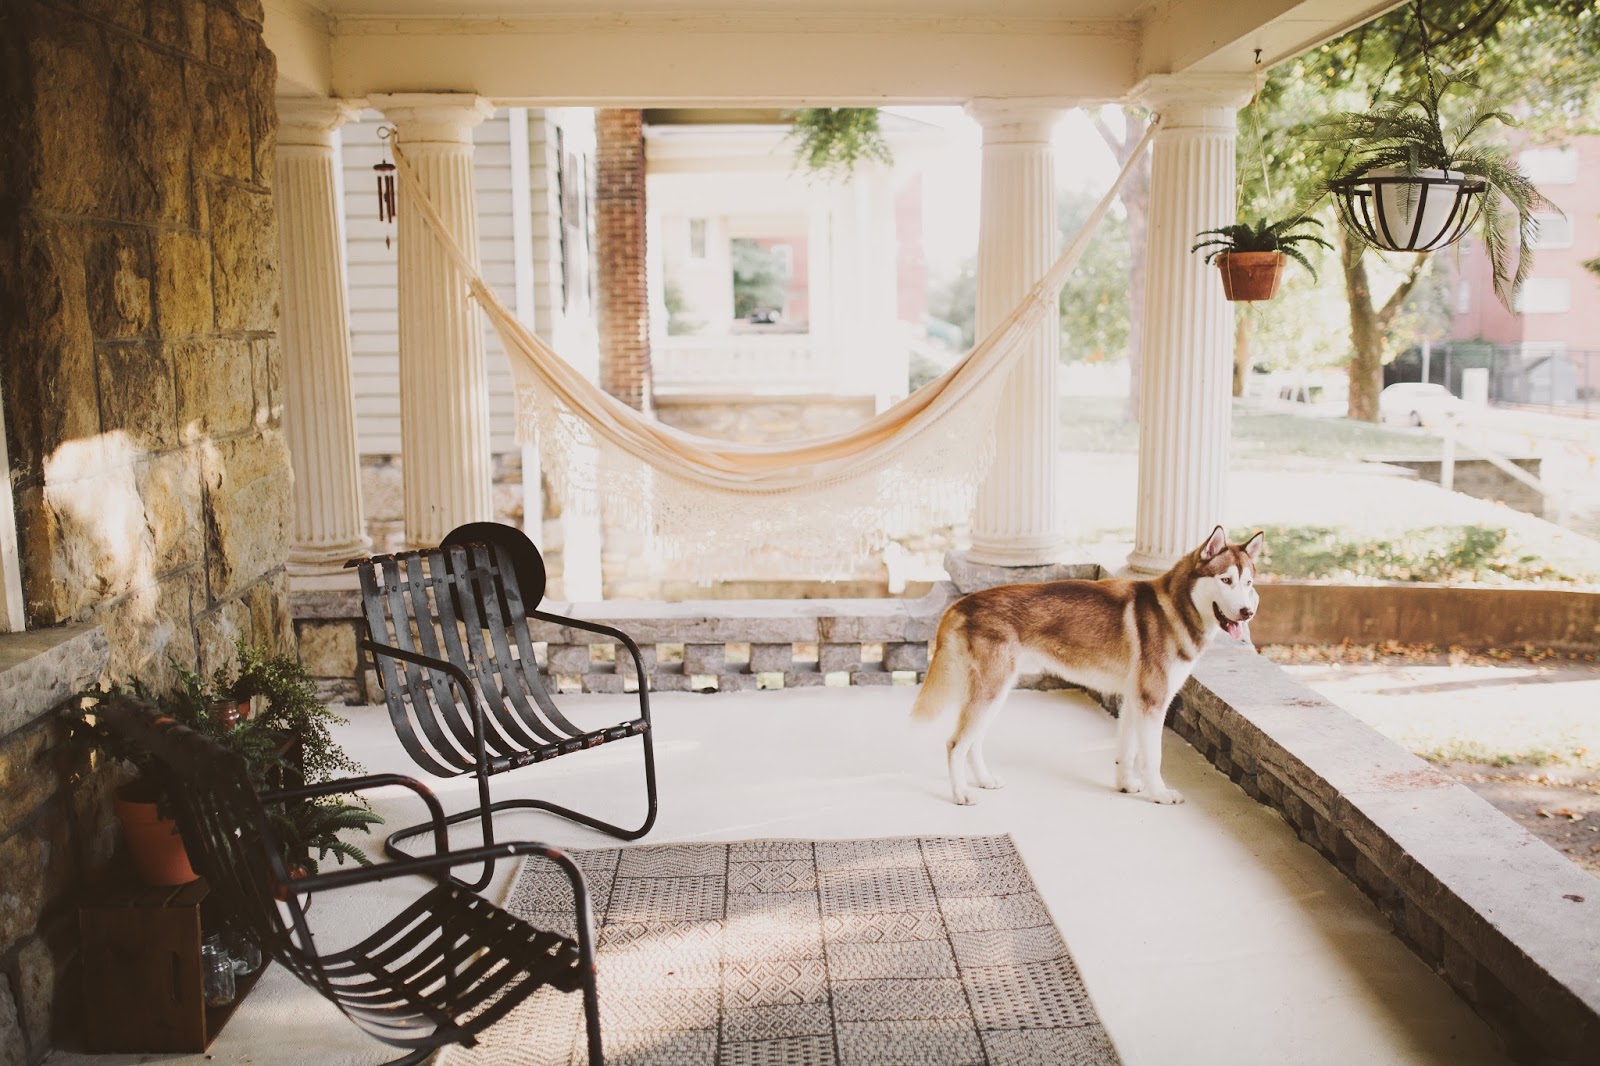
(319,414)
(1185,396)
(1018,520)
(444,384)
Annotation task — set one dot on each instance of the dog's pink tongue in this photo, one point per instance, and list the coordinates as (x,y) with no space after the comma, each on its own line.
(1234,629)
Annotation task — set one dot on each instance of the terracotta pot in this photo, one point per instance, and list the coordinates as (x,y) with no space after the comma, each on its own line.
(1250,275)
(230,712)
(157,848)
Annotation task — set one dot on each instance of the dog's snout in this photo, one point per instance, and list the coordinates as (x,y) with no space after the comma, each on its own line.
(1245,613)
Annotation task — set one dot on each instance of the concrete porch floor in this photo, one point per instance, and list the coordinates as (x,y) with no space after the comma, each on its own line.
(1206,933)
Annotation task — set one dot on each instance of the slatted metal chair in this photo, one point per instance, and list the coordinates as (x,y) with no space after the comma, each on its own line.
(443,969)
(447,628)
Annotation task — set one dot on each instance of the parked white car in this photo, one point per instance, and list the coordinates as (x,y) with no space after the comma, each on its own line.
(1416,403)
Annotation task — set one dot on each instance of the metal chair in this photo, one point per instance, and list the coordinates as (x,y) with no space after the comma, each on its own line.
(445,968)
(447,628)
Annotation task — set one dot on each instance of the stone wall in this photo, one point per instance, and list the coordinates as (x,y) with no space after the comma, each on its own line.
(138,314)
(138,318)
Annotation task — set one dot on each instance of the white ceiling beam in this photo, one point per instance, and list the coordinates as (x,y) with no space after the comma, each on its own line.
(1211,37)
(749,59)
(301,36)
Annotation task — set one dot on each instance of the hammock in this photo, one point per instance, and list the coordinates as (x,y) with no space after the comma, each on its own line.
(723,510)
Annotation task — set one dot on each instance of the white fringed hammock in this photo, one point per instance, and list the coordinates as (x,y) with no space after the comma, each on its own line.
(725,510)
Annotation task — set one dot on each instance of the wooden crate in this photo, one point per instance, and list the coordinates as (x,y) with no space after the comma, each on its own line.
(142,982)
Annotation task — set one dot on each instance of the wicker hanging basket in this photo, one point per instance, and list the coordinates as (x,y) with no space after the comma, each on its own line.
(1248,276)
(1400,212)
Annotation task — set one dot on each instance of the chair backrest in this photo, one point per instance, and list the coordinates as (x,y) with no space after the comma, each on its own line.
(462,604)
(227,833)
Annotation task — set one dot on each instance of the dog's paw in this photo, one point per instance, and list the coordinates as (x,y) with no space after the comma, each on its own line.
(992,781)
(963,799)
(1129,784)
(1167,795)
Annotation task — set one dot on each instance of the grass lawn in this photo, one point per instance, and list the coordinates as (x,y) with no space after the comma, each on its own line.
(1095,424)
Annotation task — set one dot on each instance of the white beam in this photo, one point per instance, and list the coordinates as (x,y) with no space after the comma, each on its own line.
(301,37)
(745,58)
(1205,36)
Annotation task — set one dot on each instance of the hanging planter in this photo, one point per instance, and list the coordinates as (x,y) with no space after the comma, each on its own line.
(1400,212)
(1251,258)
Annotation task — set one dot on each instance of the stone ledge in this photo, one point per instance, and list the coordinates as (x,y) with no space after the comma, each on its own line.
(42,668)
(1475,895)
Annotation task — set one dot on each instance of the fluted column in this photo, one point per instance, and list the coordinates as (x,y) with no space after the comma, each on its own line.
(444,383)
(319,414)
(1185,389)
(1018,520)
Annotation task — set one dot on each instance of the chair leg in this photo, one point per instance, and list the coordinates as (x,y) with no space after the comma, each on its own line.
(486,809)
(415,1058)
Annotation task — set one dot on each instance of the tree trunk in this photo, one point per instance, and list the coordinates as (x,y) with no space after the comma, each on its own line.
(1369,326)
(1241,350)
(1135,199)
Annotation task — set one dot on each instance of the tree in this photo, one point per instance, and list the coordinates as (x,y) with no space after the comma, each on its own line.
(759,279)
(1539,59)
(1095,302)
(1135,197)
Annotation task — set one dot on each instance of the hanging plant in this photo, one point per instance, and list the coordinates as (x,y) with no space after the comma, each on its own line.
(833,141)
(1251,258)
(1412,182)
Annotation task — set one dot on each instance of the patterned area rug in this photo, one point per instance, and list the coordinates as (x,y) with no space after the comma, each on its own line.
(905,952)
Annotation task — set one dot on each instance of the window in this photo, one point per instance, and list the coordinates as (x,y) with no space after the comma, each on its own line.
(12,619)
(1550,166)
(1543,296)
(1555,231)
(1463,296)
(697,238)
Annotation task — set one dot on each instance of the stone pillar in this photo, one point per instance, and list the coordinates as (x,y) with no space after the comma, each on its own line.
(620,243)
(1017,520)
(444,384)
(319,413)
(1185,389)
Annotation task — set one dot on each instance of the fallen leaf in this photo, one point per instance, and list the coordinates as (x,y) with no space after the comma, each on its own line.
(1574,898)
(1542,813)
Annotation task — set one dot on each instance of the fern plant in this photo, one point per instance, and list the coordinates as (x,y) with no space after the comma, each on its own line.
(833,141)
(1264,236)
(1409,133)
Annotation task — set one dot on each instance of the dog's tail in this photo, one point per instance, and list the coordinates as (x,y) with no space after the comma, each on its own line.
(945,685)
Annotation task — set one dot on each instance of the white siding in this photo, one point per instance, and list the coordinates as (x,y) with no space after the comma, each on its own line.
(373,340)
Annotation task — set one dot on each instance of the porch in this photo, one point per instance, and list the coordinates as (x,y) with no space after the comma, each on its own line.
(1206,933)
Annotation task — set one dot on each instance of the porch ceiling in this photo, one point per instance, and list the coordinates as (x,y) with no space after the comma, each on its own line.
(783,52)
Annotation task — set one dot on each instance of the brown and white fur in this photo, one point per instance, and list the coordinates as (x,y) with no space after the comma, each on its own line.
(1134,640)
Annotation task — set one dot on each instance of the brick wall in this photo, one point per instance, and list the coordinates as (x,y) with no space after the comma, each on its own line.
(138,318)
(620,245)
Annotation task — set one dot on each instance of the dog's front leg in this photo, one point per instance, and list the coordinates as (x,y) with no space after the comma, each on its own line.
(1149,714)
(1128,746)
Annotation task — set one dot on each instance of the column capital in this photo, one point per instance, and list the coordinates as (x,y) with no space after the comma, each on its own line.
(1196,100)
(1015,120)
(446,118)
(311,120)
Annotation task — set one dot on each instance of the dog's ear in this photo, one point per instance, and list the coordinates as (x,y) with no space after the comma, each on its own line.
(1213,545)
(1253,546)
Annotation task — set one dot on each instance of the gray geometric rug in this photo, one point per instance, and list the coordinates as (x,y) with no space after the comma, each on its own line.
(904,952)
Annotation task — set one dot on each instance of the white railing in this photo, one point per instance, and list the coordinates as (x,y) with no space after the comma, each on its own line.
(742,363)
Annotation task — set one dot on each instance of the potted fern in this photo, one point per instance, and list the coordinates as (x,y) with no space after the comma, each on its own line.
(832,141)
(1251,258)
(1410,181)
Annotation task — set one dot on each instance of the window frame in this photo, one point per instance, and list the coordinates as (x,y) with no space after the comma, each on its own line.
(13,619)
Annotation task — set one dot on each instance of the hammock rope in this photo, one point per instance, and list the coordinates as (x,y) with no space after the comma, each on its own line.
(821,504)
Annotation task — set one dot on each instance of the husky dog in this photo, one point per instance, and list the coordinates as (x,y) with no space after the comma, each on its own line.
(1136,641)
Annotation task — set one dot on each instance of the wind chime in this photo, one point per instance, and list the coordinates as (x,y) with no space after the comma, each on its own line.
(384,170)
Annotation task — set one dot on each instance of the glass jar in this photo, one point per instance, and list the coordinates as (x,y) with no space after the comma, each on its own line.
(246,956)
(216,971)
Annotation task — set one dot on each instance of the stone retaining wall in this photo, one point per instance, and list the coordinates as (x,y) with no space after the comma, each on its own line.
(1510,923)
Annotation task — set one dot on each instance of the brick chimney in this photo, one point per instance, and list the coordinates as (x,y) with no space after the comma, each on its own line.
(624,302)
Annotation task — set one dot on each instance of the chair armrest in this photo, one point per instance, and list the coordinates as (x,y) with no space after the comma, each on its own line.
(608,631)
(357,784)
(456,674)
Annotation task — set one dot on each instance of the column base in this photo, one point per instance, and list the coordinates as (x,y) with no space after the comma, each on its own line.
(970,575)
(1145,563)
(308,562)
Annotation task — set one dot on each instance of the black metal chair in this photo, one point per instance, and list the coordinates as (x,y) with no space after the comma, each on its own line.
(443,969)
(447,628)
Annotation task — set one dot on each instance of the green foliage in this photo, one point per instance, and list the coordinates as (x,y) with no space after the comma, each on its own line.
(1593,266)
(833,141)
(1094,299)
(1264,236)
(956,301)
(1440,554)
(288,711)
(759,278)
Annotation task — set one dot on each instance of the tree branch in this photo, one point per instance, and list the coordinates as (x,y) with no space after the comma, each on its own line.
(1119,147)
(1392,306)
